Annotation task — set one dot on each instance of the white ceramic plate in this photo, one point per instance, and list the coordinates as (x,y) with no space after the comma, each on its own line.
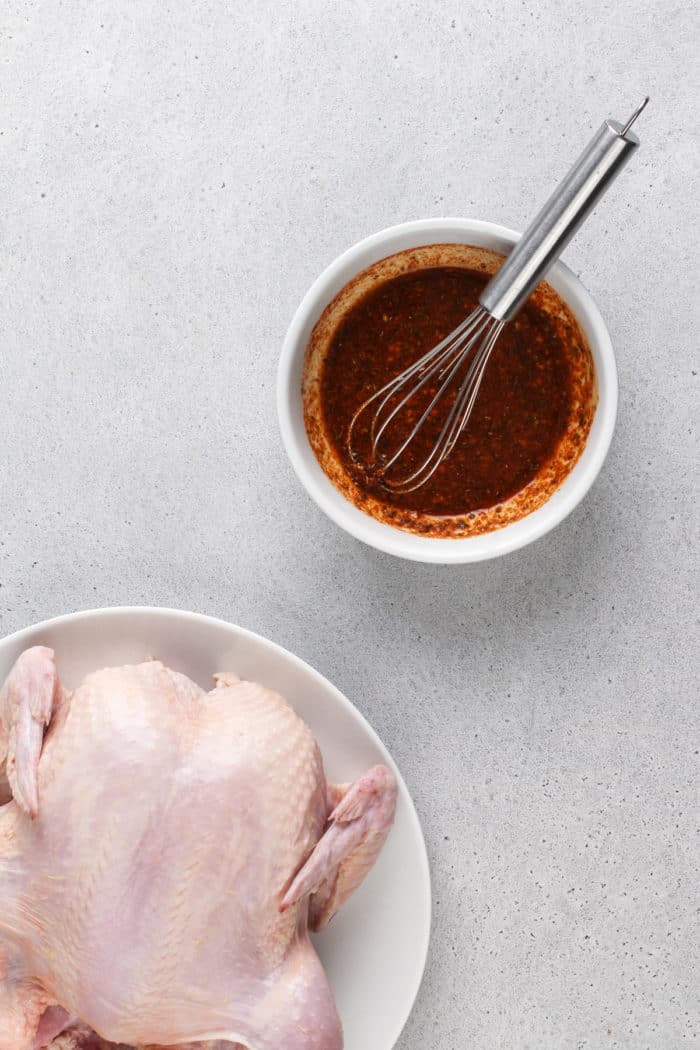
(375,950)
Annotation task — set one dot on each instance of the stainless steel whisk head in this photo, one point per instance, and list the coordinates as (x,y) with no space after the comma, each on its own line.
(463,353)
(451,372)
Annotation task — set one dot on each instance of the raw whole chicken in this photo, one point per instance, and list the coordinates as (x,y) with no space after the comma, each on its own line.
(163,853)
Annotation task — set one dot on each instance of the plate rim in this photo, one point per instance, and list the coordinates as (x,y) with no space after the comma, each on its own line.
(123,611)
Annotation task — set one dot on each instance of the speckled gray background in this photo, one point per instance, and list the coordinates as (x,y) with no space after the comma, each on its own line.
(172,178)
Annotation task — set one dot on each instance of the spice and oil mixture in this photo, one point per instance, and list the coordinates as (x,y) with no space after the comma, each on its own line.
(532,397)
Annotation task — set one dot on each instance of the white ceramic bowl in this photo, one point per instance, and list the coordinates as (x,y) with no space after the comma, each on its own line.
(375,949)
(385,537)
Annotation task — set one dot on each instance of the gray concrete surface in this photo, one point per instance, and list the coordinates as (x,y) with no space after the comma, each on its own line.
(172,177)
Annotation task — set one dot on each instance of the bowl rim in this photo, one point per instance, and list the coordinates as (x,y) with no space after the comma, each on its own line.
(118,612)
(401,543)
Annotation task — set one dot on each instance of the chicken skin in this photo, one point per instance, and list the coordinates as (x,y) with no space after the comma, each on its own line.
(164,852)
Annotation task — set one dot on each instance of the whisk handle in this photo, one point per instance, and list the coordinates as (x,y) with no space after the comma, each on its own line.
(552,229)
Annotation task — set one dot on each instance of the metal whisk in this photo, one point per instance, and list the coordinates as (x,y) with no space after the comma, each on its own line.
(457,364)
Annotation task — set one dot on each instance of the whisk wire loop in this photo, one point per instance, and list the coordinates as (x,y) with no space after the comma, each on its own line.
(441,364)
(466,349)
(445,369)
(457,416)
